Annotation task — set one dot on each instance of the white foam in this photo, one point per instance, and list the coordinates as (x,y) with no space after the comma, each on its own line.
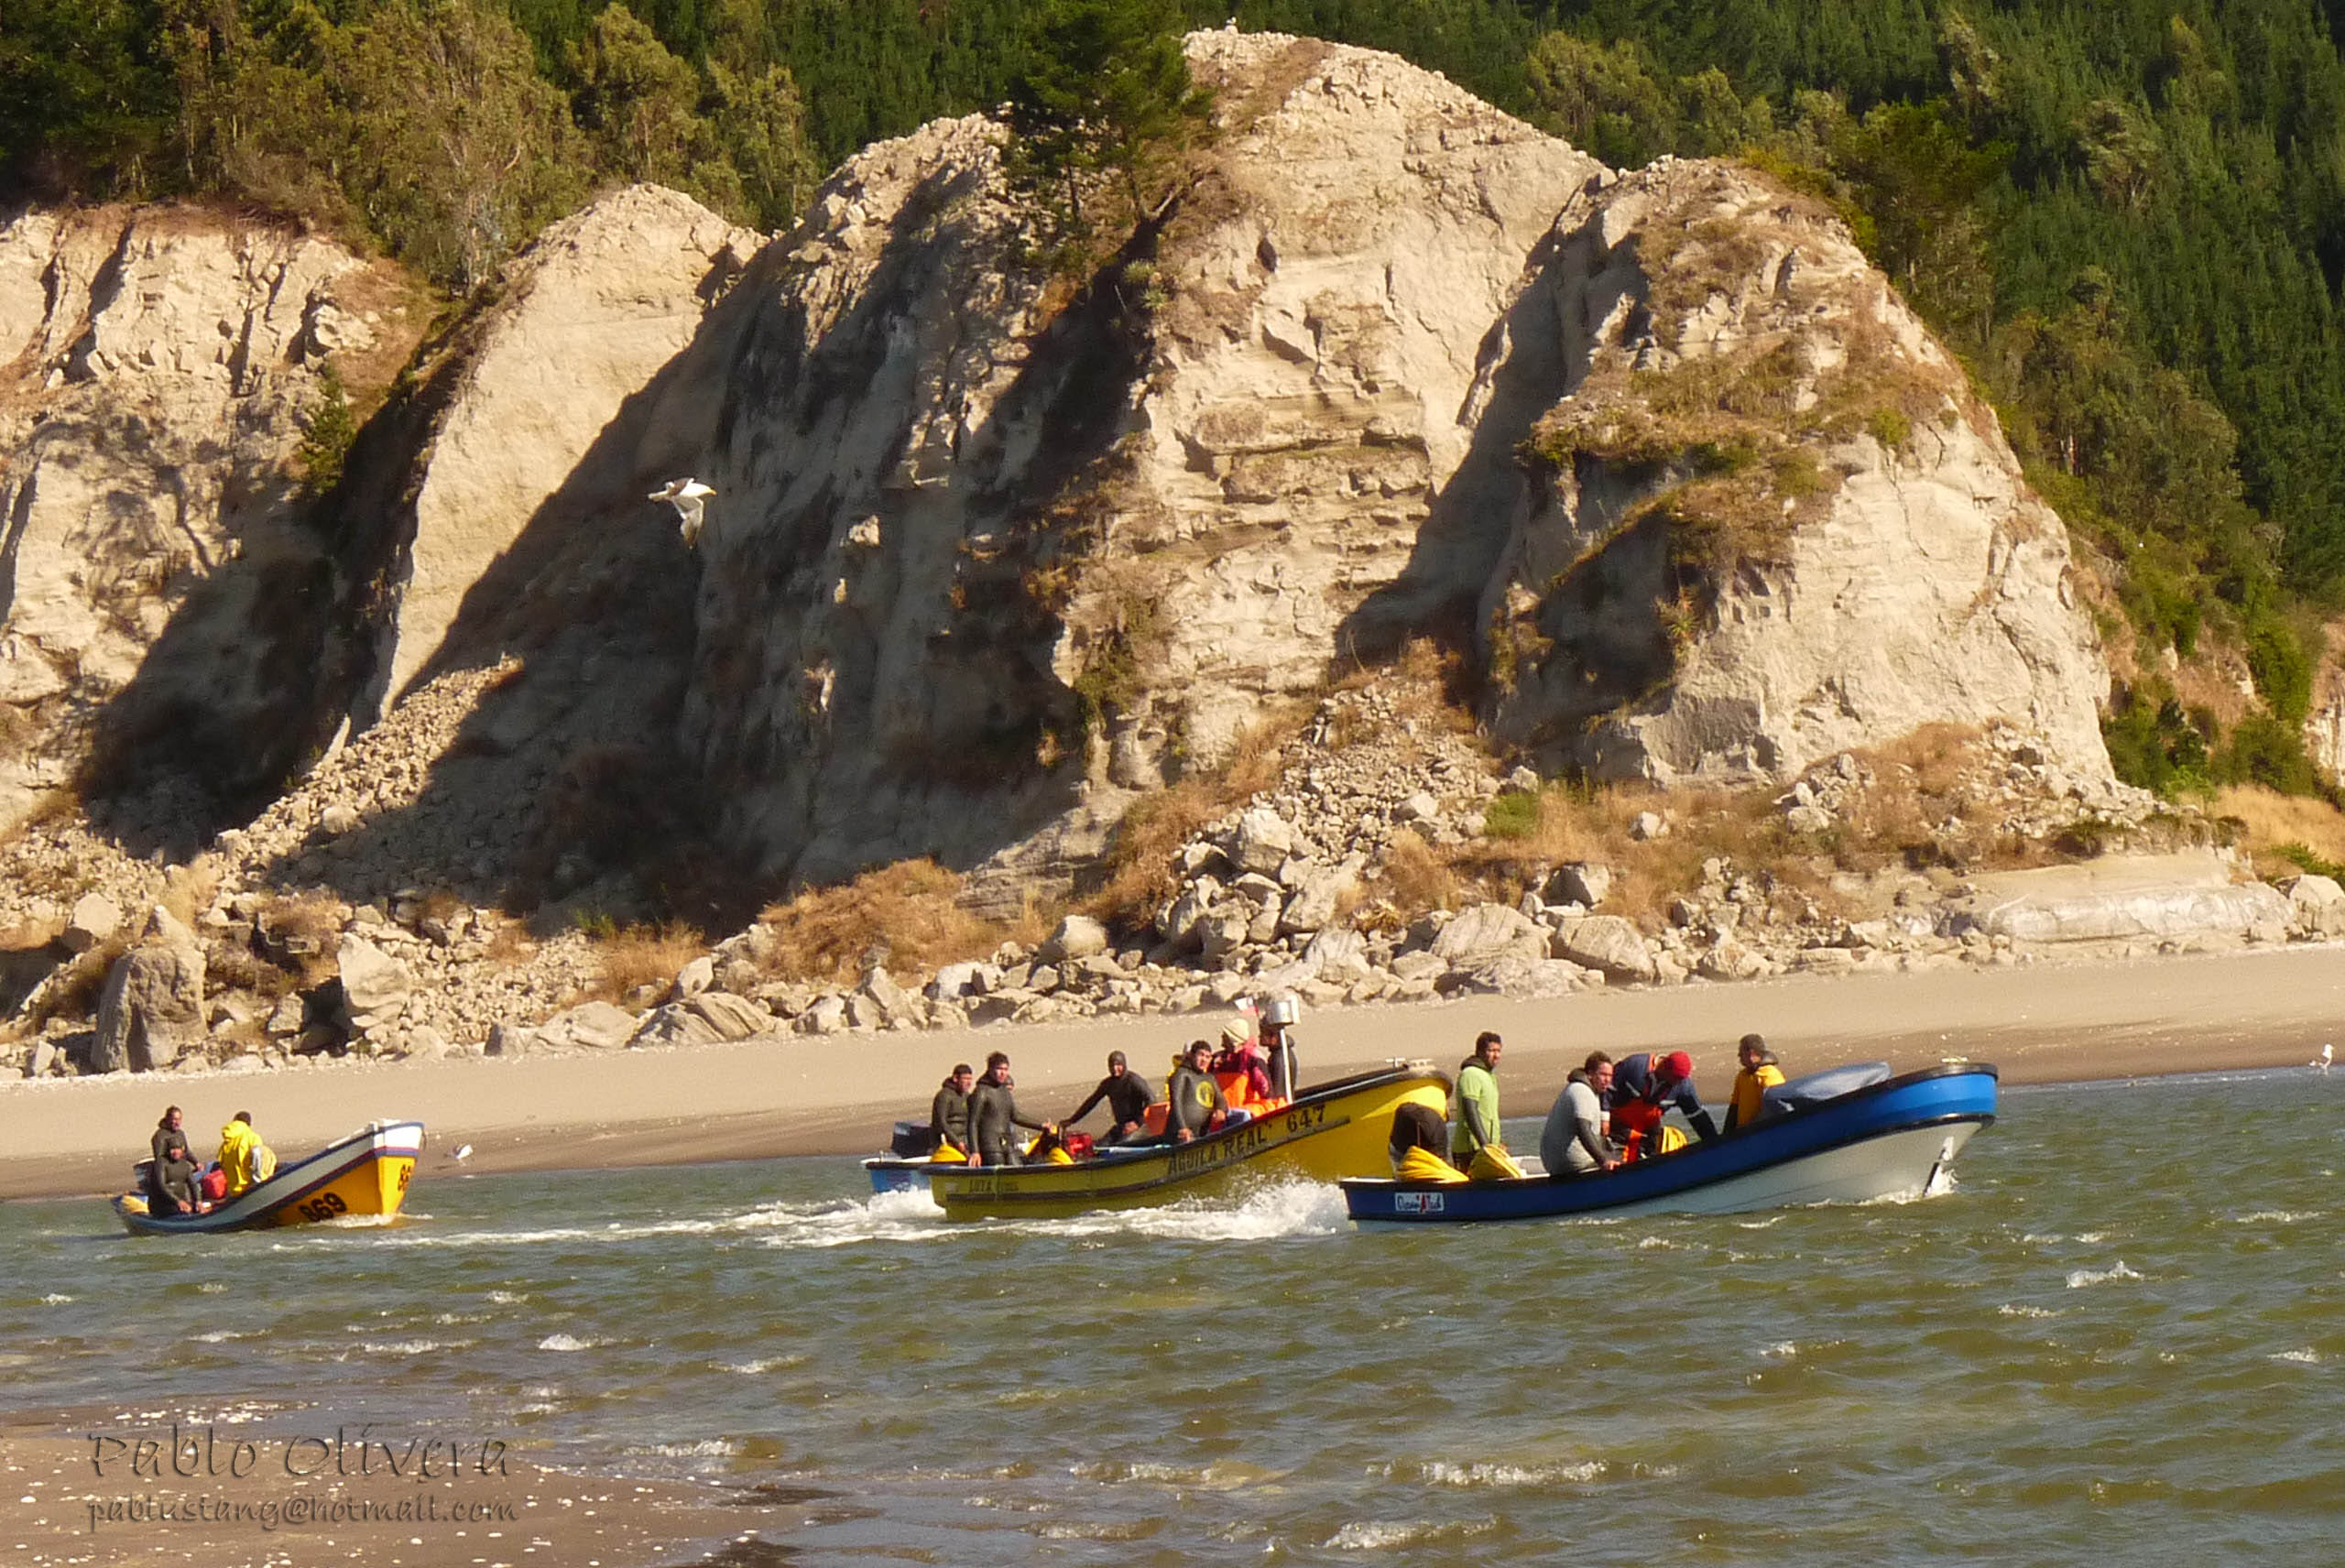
(763,1364)
(1782,1350)
(707,1448)
(565,1342)
(2079,1277)
(2011,1310)
(1378,1535)
(55,1299)
(414,1346)
(2309,1357)
(1758,1224)
(2279,1216)
(1443,1473)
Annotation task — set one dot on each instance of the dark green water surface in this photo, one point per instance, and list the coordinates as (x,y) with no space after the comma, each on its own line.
(2119,1339)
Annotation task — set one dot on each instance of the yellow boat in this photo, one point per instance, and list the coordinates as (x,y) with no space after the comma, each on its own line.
(1329,1131)
(364,1176)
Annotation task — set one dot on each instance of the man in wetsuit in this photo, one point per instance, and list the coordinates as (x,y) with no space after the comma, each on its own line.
(174,1168)
(1127,1097)
(1194,1098)
(948,1113)
(993,1111)
(1644,1087)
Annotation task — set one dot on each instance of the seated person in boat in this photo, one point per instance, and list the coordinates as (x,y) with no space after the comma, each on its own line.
(245,1159)
(1573,1143)
(173,1171)
(1195,1104)
(948,1113)
(1419,1147)
(1240,1054)
(1127,1097)
(1644,1087)
(1760,1073)
(993,1111)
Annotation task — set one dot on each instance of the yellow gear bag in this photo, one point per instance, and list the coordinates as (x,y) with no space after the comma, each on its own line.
(1423,1165)
(1493,1165)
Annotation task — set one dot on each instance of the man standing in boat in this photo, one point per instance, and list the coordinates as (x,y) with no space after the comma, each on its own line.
(948,1113)
(1127,1097)
(1477,1102)
(993,1111)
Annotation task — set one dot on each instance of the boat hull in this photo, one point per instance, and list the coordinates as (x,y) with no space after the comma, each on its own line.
(1330,1131)
(1887,1140)
(364,1176)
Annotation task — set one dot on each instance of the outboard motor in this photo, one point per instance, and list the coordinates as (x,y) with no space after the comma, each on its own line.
(913,1140)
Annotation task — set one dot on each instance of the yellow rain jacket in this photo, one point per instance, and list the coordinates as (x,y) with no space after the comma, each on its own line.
(1424,1165)
(243,1159)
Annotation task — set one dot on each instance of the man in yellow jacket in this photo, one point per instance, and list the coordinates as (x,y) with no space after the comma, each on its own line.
(243,1159)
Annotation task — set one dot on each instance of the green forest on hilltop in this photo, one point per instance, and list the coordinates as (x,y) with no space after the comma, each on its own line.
(2127,215)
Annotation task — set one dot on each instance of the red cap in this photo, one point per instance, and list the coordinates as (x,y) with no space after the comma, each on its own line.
(1677,1064)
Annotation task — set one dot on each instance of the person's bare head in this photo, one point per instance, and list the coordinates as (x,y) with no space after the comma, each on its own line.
(1488,1045)
(998,1067)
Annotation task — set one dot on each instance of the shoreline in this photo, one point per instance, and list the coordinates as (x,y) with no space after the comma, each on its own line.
(778,1096)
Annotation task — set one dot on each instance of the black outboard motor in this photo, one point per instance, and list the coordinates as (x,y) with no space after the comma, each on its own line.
(913,1140)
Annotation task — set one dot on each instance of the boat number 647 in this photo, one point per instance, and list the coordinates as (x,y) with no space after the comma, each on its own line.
(1304,1117)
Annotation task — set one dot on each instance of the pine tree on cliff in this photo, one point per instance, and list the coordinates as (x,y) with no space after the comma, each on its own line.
(1099,113)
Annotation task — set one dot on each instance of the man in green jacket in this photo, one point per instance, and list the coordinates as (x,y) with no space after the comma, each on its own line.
(1478,1102)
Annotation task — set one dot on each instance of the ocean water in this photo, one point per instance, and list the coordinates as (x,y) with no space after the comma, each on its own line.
(2119,1338)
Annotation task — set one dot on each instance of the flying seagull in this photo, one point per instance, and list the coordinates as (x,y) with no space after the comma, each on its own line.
(2328,1056)
(685,495)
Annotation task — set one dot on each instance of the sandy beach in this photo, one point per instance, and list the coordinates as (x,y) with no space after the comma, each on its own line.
(2040,1023)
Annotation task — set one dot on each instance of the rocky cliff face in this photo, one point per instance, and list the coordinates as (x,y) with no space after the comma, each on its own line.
(986,564)
(1775,523)
(157,370)
(982,564)
(993,554)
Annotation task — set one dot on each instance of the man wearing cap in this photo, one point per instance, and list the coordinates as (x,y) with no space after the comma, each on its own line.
(1477,1101)
(1644,1087)
(1127,1097)
(1238,1054)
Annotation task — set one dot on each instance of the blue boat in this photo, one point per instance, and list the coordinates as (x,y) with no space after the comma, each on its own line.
(1886,1139)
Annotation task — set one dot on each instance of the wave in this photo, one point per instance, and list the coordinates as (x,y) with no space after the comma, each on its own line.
(566,1341)
(2011,1310)
(414,1346)
(2308,1355)
(1382,1535)
(1442,1473)
(2079,1277)
(2279,1216)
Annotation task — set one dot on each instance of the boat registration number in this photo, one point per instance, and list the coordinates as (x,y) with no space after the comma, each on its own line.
(1419,1202)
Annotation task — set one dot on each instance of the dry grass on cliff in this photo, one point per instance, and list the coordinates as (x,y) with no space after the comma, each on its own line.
(1141,870)
(907,915)
(2272,820)
(642,955)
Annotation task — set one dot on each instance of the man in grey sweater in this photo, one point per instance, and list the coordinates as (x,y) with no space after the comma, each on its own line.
(1574,1143)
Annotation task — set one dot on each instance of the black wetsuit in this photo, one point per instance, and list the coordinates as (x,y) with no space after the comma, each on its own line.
(993,1111)
(948,1117)
(1127,1097)
(1194,1098)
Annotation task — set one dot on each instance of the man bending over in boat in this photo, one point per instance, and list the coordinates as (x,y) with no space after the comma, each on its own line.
(993,1111)
(1573,1143)
(243,1159)
(1127,1097)
(1195,1104)
(948,1113)
(1644,1087)
(1760,1073)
